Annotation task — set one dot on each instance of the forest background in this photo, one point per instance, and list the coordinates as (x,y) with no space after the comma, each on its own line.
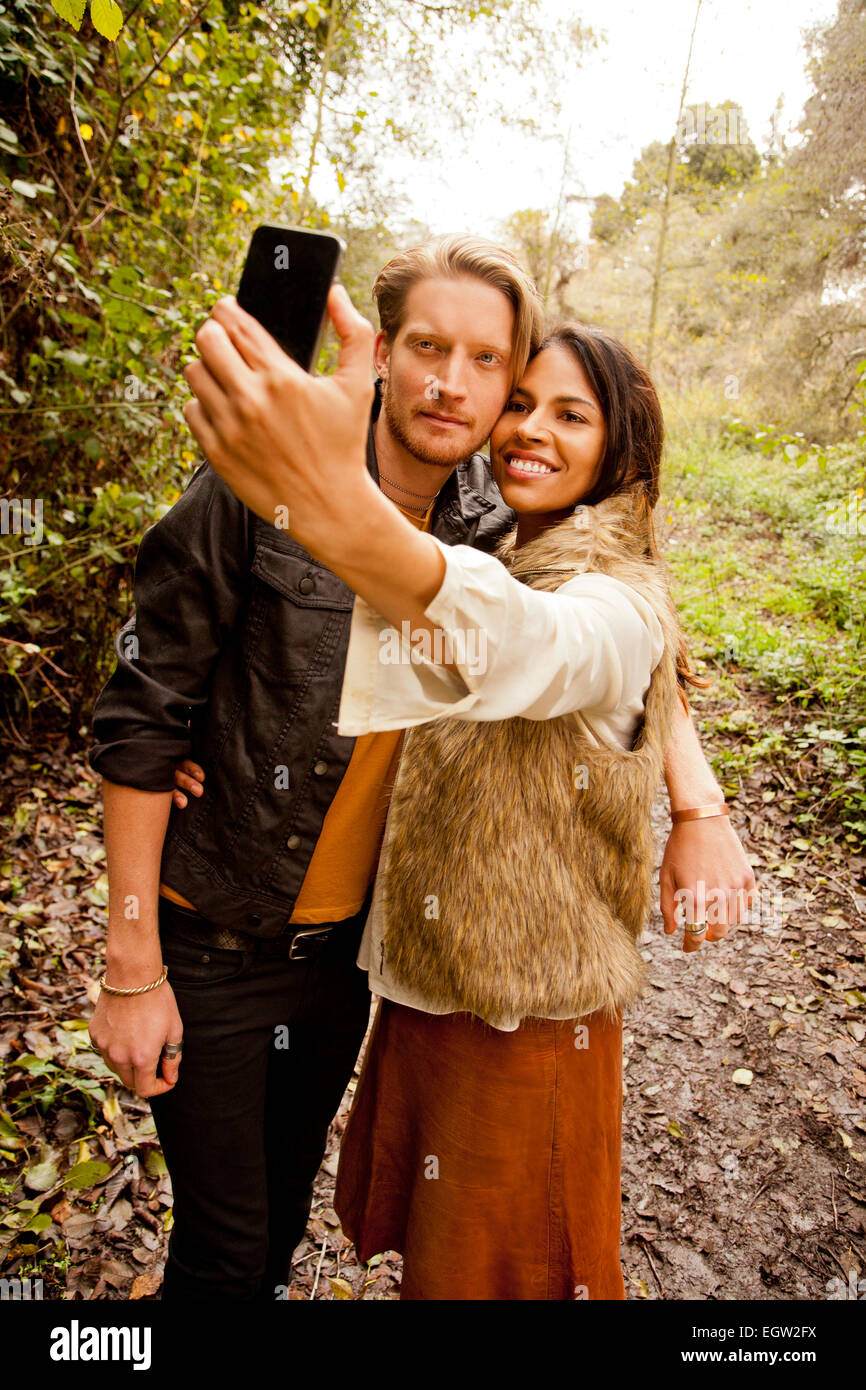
(138,150)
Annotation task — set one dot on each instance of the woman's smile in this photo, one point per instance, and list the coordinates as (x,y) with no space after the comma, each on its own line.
(520,464)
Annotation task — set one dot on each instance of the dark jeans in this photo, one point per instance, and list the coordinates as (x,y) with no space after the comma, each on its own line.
(269,1045)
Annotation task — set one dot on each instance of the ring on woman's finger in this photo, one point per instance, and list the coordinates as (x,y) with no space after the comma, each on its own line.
(695,928)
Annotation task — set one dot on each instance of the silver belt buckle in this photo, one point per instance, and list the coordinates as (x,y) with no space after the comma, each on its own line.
(323,932)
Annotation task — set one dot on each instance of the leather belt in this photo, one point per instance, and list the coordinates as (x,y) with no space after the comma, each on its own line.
(301,941)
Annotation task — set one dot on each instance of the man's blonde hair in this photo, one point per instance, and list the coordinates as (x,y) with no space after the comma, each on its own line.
(452,255)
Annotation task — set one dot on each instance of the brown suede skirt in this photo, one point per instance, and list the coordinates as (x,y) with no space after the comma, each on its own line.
(489,1160)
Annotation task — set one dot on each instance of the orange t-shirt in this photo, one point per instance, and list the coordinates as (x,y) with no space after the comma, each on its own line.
(347,850)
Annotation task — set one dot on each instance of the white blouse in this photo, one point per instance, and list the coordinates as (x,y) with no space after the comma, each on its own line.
(587,649)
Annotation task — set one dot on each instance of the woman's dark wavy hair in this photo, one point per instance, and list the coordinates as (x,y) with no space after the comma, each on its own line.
(635,433)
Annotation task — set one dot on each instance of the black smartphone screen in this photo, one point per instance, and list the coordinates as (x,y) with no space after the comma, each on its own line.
(285,283)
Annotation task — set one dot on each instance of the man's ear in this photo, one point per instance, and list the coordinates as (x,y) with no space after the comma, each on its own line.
(381,354)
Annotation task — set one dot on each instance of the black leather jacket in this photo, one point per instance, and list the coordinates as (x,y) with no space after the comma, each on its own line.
(234,656)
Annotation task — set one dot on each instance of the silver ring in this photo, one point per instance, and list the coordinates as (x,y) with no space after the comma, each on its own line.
(172,1050)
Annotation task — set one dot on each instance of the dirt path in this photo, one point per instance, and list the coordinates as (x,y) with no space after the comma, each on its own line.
(731,1191)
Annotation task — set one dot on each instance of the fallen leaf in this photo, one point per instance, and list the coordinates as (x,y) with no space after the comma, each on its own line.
(42,1176)
(78,1228)
(148,1283)
(115,1273)
(154,1164)
(98,893)
(40,1045)
(67,1125)
(86,1174)
(840,1051)
(717,972)
(117,1217)
(111,1107)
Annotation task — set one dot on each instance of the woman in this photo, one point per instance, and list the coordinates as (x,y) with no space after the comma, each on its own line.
(515,873)
(514,880)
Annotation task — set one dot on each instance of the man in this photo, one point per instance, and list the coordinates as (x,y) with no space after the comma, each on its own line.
(256,896)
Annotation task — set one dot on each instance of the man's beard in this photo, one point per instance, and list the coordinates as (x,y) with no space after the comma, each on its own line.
(445,455)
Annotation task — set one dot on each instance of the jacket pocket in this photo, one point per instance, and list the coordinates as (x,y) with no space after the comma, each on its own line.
(301,579)
(301,615)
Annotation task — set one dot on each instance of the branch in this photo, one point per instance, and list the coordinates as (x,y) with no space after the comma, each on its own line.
(75,118)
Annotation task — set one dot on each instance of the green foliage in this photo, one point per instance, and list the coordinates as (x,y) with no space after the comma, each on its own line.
(760,288)
(771,589)
(128,209)
(713,154)
(106,16)
(832,156)
(716,150)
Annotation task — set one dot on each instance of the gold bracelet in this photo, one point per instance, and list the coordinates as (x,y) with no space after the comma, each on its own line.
(142,989)
(699,813)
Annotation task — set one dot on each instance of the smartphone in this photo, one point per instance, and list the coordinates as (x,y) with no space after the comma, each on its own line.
(285,283)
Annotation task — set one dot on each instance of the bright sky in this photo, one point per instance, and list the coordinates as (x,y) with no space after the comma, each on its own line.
(625,95)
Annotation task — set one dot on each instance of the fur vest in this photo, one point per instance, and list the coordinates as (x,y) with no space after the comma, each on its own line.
(517,867)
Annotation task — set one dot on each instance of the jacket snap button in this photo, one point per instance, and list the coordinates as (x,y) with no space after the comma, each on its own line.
(254,920)
(205,958)
(307,585)
(293,841)
(320,768)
